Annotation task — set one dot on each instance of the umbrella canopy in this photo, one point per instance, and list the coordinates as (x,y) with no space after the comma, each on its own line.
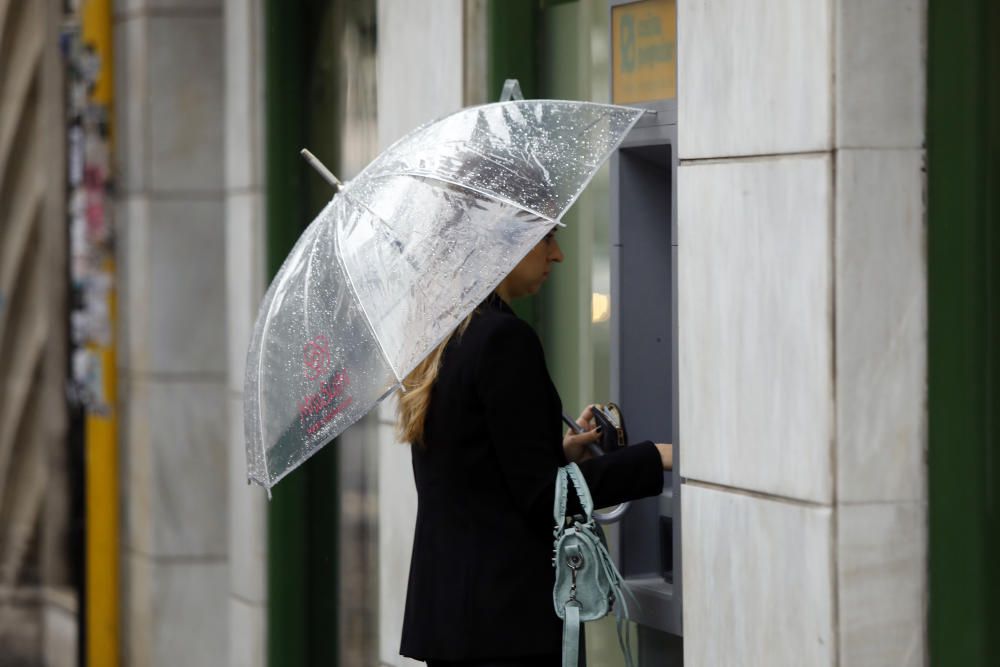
(401,255)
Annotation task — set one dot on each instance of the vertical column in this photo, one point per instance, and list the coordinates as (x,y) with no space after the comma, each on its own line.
(881,332)
(419,74)
(93,272)
(756,327)
(803,331)
(245,281)
(171,213)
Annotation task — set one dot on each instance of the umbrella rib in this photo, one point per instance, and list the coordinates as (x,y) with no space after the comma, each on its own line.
(260,398)
(260,385)
(305,282)
(357,297)
(491,195)
(611,149)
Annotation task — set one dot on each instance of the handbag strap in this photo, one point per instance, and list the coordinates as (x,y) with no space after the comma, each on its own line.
(567,473)
(571,636)
(571,619)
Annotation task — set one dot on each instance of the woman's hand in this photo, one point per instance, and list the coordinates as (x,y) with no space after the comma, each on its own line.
(666,455)
(576,446)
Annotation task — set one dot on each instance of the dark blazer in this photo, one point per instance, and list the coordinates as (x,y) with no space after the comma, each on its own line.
(481,573)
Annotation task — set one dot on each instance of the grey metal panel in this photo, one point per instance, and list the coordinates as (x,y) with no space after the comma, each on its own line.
(644,357)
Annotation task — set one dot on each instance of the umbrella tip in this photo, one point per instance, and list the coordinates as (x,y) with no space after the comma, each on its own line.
(511,91)
(321,168)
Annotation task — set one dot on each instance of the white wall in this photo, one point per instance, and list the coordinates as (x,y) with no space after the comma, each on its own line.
(170,210)
(802,331)
(419,78)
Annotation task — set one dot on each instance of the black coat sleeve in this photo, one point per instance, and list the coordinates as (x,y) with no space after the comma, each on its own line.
(525,430)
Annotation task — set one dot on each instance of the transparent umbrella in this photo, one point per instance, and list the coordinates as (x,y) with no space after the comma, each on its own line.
(401,255)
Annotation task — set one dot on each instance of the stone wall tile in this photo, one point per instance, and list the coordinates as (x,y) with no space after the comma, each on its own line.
(419,69)
(165,6)
(185,103)
(134,287)
(247,517)
(754,77)
(247,634)
(137,468)
(190,614)
(881,326)
(243,107)
(882,566)
(881,73)
(245,279)
(396,520)
(137,615)
(758,581)
(177,475)
(187,292)
(755,325)
(131,145)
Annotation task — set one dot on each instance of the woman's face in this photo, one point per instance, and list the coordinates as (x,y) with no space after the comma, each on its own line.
(528,276)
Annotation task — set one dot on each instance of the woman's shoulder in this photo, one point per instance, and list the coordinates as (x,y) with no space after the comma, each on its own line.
(491,326)
(499,342)
(492,332)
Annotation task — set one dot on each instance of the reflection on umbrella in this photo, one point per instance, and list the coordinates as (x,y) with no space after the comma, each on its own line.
(401,255)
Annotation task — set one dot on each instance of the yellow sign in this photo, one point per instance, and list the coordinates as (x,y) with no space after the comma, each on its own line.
(644,51)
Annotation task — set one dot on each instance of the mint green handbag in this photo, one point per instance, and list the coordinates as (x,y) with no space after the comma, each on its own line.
(587,583)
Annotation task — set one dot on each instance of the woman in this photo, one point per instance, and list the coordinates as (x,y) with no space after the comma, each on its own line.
(484,419)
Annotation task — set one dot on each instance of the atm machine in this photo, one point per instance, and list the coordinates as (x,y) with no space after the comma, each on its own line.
(644,310)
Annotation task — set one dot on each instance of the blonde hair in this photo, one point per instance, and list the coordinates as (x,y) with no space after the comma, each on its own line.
(411,409)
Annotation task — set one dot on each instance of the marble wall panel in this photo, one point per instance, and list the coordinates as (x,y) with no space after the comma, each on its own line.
(126,6)
(134,286)
(185,103)
(358,565)
(881,73)
(187,308)
(247,634)
(244,100)
(758,581)
(137,612)
(247,517)
(131,74)
(245,280)
(166,6)
(177,469)
(882,565)
(190,613)
(397,508)
(137,468)
(755,325)
(419,64)
(754,77)
(881,326)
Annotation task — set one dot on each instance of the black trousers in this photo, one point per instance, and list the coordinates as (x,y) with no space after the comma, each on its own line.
(534,661)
